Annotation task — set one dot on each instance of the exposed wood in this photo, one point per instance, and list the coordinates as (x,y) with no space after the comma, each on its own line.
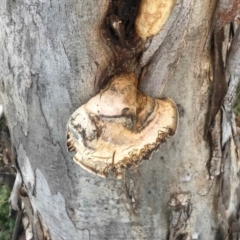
(14,198)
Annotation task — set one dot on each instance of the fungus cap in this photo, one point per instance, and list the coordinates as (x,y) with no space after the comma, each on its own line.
(119,127)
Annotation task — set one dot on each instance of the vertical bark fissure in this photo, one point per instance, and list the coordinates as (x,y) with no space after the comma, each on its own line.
(66,162)
(64,48)
(219,82)
(214,164)
(42,111)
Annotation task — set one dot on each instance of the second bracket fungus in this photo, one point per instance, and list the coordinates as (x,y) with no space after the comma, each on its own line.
(119,127)
(152,15)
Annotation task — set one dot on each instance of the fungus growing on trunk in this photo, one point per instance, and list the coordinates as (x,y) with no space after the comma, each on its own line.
(119,127)
(152,15)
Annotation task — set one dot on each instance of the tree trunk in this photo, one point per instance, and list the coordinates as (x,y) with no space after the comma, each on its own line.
(55,56)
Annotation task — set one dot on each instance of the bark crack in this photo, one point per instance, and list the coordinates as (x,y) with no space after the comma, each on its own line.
(66,162)
(42,111)
(64,49)
(89,232)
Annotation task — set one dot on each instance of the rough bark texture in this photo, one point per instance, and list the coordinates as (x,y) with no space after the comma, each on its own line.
(53,58)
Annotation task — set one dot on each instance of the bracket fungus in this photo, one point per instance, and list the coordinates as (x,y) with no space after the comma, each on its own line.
(152,15)
(119,127)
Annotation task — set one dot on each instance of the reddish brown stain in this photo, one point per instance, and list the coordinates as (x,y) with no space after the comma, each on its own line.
(227,15)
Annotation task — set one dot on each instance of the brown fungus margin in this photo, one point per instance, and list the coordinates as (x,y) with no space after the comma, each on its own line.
(119,127)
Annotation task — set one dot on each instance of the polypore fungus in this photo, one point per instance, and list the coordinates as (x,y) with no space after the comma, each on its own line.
(152,15)
(119,127)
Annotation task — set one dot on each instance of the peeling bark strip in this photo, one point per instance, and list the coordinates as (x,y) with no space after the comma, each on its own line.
(233,61)
(181,209)
(216,147)
(120,127)
(219,82)
(223,95)
(14,198)
(232,76)
(226,183)
(218,93)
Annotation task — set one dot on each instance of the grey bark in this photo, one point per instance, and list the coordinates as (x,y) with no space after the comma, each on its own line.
(53,57)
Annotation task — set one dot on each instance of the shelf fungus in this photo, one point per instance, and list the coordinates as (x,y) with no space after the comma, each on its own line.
(152,15)
(119,127)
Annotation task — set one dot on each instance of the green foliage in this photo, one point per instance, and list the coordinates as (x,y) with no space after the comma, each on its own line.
(6,223)
(3,122)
